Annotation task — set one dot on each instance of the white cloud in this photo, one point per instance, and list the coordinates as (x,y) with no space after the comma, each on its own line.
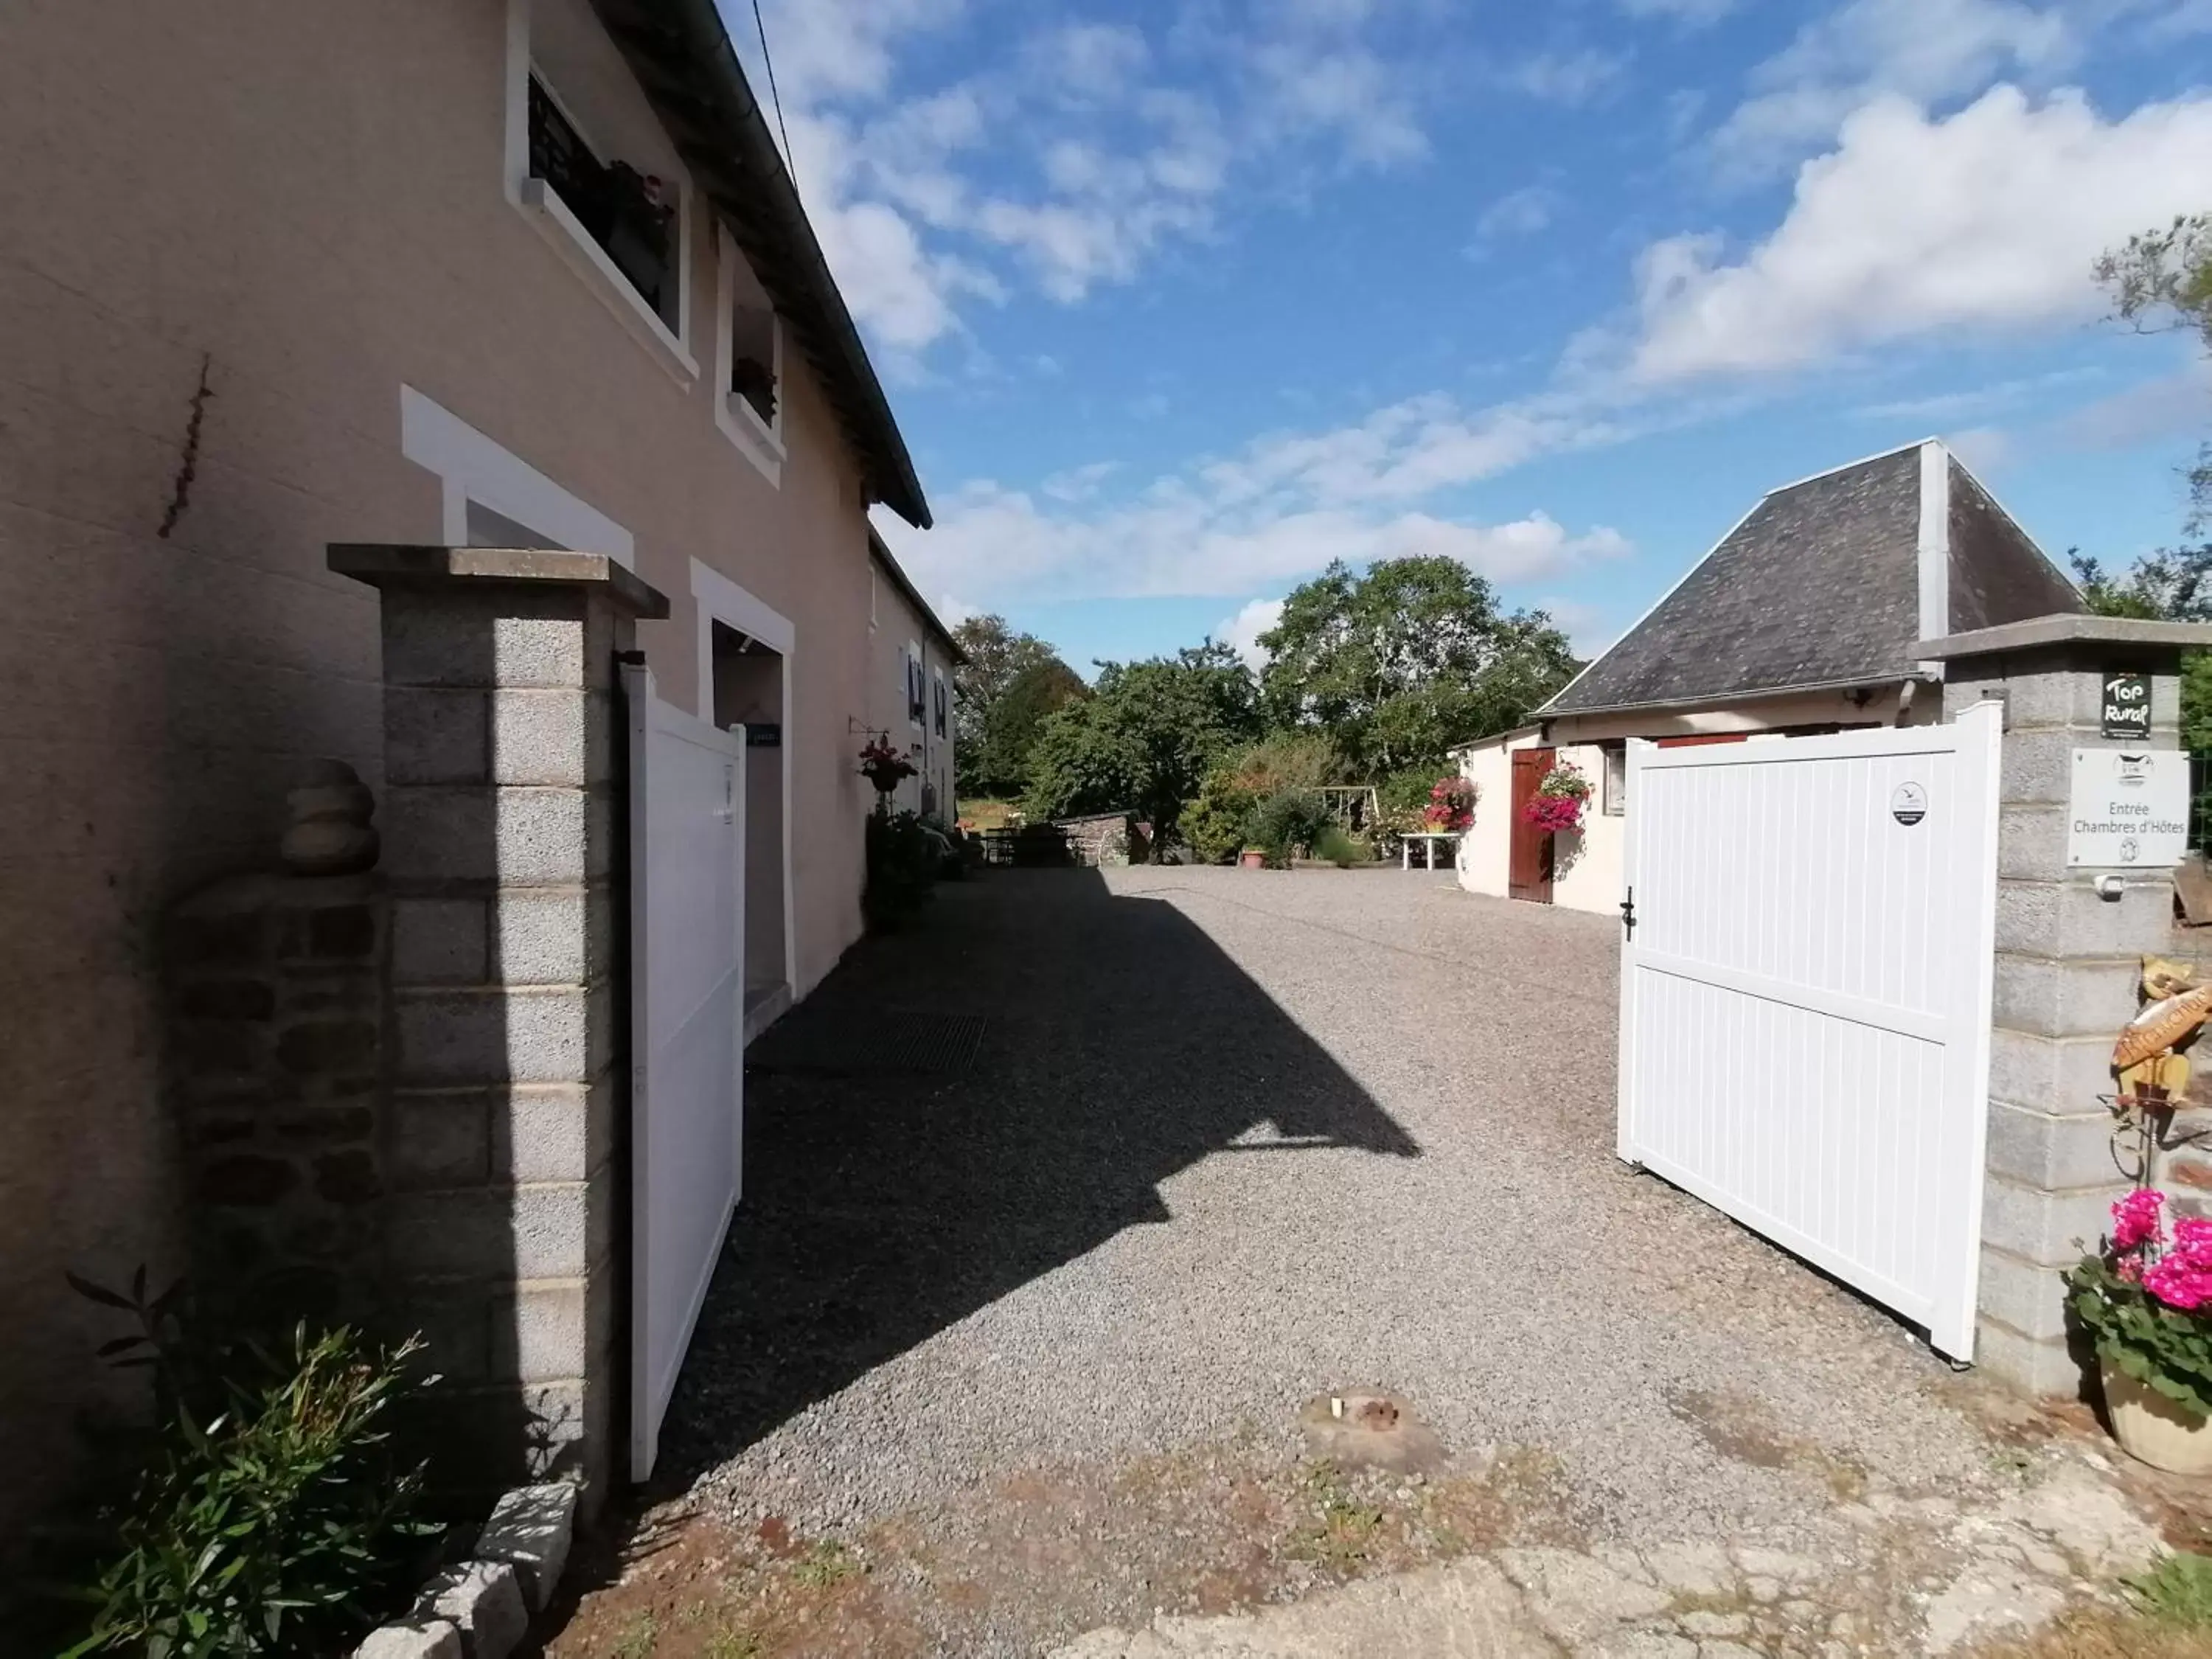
(1244,630)
(1176,541)
(1277,511)
(1078,483)
(1522,212)
(1588,629)
(1986,221)
(1942,406)
(923,203)
(1695,13)
(1573,78)
(2169,405)
(1985,449)
(1927,50)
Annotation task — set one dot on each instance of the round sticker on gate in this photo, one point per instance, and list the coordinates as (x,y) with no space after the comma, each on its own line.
(1908,804)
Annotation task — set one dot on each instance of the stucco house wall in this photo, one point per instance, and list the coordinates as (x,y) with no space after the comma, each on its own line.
(903,634)
(244,236)
(1586,865)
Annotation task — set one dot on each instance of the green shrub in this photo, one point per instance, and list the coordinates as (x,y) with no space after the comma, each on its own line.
(281,1522)
(1215,824)
(1300,761)
(1288,823)
(1340,847)
(903,859)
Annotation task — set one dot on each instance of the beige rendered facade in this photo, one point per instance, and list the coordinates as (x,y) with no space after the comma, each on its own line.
(910,686)
(278,277)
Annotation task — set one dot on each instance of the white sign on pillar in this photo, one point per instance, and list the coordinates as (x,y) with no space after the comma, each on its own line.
(2127,809)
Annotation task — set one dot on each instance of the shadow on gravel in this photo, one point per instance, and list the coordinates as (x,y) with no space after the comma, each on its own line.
(880,1207)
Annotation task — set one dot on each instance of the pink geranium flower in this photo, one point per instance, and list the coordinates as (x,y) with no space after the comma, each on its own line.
(2134,1219)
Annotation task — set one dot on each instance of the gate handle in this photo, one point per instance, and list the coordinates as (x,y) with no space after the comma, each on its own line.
(1628,914)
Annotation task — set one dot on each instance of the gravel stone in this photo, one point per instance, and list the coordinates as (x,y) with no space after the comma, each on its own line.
(1715,1624)
(1235,1138)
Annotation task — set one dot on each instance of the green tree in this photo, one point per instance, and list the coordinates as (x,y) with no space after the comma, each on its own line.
(1145,739)
(1011,723)
(1399,665)
(997,656)
(2162,281)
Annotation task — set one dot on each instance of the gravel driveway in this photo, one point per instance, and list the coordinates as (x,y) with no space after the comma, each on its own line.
(1233,1139)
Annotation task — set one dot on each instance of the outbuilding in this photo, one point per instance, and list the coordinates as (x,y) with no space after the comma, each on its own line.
(1801,620)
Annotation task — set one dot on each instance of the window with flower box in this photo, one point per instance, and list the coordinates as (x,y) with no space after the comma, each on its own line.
(631,215)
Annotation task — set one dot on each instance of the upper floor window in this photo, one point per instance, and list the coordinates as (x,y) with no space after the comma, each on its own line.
(630,214)
(755,362)
(748,350)
(917,693)
(941,702)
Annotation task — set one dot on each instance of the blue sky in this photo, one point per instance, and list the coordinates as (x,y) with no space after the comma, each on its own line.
(1178,299)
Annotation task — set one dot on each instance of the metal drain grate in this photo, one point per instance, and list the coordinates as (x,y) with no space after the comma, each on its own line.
(911,1045)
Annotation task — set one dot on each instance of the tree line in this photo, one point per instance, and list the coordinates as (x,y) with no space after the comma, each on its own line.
(2162,282)
(1369,678)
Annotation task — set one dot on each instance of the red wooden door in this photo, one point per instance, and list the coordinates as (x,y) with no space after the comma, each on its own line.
(1529,865)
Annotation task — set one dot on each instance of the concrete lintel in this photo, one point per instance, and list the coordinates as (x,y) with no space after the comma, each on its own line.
(2067,628)
(386,564)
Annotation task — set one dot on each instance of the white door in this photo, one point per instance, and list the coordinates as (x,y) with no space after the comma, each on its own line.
(1805,997)
(687,1061)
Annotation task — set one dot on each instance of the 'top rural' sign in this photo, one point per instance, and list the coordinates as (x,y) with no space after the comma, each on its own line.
(2127,706)
(2127,809)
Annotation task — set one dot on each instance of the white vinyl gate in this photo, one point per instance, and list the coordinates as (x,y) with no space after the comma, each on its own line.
(1805,997)
(687,993)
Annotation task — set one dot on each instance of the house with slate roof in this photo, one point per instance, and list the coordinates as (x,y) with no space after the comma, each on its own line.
(1800,621)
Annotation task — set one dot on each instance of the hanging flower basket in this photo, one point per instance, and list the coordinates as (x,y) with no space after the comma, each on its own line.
(1557,806)
(885,767)
(1452,805)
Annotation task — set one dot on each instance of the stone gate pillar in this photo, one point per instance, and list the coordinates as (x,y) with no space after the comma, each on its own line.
(501,817)
(2068,957)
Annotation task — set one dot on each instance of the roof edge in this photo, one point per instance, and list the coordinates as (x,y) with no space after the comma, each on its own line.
(881,552)
(1714,699)
(687,42)
(1863,460)
(1496,737)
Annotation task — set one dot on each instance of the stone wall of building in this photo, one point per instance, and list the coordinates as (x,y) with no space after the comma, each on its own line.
(277,1053)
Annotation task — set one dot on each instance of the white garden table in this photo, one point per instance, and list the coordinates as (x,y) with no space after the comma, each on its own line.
(1431,836)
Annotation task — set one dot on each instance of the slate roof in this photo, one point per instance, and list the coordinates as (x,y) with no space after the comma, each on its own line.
(1819,586)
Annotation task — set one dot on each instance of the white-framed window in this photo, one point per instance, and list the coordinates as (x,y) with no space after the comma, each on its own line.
(917,686)
(749,397)
(941,702)
(616,205)
(1616,779)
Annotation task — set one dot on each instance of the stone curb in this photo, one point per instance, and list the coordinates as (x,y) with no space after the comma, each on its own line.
(481,1608)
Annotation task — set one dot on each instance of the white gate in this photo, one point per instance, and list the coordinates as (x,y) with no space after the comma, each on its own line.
(1805,997)
(687,993)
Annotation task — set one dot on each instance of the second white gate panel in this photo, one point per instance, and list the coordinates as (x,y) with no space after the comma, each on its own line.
(1805,997)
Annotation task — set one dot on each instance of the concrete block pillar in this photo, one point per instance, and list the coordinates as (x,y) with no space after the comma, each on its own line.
(2067,960)
(502,806)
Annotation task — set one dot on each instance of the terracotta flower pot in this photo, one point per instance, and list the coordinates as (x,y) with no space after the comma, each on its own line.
(2154,1430)
(1251,859)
